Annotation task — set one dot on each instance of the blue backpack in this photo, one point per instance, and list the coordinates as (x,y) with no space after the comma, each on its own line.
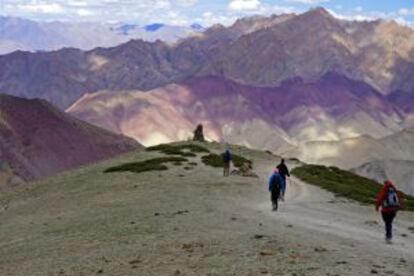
(275,182)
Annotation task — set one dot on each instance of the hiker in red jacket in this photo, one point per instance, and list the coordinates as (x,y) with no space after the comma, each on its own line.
(389,202)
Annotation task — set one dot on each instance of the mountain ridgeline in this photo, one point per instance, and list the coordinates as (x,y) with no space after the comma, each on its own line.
(257,51)
(28,35)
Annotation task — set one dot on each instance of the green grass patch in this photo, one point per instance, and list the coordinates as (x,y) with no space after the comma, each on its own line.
(188,154)
(216,160)
(346,184)
(155,164)
(188,150)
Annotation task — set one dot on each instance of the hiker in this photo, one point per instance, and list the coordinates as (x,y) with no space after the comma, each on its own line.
(283,171)
(389,202)
(227,159)
(275,183)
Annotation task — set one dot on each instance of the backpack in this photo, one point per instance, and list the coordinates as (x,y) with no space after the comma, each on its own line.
(391,199)
(275,182)
(227,157)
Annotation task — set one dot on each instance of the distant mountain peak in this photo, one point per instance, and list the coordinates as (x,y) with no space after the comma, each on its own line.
(196,26)
(154,27)
(317,16)
(126,28)
(250,18)
(215,28)
(320,11)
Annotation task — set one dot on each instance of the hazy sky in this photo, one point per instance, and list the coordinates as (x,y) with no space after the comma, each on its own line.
(205,12)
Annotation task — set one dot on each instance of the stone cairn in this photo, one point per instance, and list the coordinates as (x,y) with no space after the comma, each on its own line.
(198,134)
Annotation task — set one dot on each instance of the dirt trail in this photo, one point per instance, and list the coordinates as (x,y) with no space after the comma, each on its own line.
(336,221)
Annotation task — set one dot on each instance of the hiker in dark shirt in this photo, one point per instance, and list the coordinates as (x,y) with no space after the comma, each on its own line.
(283,171)
(227,159)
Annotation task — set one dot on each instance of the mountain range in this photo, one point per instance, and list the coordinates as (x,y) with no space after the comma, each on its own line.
(308,85)
(259,52)
(28,35)
(38,140)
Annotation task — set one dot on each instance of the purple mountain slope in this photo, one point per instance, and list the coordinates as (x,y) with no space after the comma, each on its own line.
(38,140)
(331,108)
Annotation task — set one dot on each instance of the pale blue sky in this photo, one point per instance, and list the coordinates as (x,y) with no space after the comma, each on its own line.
(206,12)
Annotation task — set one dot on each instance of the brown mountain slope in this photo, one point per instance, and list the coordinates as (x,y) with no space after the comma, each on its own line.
(256,51)
(303,46)
(309,45)
(38,140)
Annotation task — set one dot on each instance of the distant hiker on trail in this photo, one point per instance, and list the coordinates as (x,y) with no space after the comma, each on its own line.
(275,183)
(390,203)
(283,171)
(227,160)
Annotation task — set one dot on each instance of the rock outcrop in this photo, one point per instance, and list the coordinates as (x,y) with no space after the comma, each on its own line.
(199,134)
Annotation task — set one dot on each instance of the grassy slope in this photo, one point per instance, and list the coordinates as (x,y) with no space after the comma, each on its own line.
(153,164)
(191,150)
(88,222)
(186,150)
(344,183)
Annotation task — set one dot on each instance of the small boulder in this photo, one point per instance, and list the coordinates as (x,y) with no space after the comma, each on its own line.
(245,170)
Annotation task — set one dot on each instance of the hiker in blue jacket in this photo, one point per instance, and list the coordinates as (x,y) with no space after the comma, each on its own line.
(275,183)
